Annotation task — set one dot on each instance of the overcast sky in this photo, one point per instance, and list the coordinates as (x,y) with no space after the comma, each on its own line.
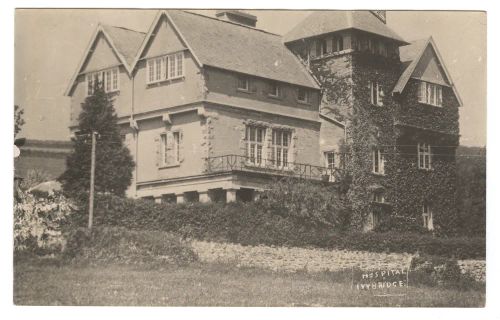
(49,44)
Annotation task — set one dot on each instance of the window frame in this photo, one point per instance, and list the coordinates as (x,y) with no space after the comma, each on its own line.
(427,216)
(378,162)
(280,151)
(376,93)
(430,94)
(164,150)
(424,151)
(247,84)
(276,93)
(378,197)
(166,67)
(109,78)
(254,146)
(330,164)
(306,99)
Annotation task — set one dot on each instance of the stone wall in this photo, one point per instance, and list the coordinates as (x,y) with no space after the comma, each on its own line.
(315,260)
(295,259)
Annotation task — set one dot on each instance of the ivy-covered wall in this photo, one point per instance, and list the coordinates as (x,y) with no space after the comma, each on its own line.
(371,128)
(395,128)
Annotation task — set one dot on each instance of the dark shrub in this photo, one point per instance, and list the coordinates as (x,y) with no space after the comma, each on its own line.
(119,244)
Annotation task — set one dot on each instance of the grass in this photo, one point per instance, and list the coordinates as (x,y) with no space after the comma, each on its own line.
(38,283)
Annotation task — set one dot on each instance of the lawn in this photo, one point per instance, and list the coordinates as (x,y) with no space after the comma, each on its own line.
(37,283)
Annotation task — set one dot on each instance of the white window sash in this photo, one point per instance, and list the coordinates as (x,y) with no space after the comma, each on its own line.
(424,156)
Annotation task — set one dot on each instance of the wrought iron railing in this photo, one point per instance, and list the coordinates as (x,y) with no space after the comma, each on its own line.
(232,162)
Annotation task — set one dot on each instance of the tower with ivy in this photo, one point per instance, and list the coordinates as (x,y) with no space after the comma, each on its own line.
(399,109)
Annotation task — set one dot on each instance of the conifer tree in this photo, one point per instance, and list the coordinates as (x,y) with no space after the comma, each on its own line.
(114,164)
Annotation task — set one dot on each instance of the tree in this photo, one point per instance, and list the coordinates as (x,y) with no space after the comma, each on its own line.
(18,119)
(114,164)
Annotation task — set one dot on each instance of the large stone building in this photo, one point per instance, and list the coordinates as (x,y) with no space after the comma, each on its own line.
(213,108)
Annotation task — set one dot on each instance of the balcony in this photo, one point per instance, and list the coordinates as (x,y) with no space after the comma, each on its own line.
(231,163)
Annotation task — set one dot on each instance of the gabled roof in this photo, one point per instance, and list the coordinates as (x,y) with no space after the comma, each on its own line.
(410,56)
(235,47)
(323,22)
(124,43)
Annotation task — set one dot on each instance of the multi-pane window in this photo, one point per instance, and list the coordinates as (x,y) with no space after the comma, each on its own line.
(243,83)
(375,93)
(424,156)
(330,160)
(281,144)
(378,159)
(427,216)
(430,93)
(274,89)
(303,95)
(254,137)
(167,67)
(170,142)
(107,79)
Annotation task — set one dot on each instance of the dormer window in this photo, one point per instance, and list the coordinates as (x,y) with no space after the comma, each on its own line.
(243,83)
(430,93)
(274,90)
(168,67)
(107,78)
(302,95)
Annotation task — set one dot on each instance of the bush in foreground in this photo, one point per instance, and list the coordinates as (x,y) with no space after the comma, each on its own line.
(255,224)
(38,222)
(118,244)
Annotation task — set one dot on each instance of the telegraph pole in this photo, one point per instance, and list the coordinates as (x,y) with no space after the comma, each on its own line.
(92,176)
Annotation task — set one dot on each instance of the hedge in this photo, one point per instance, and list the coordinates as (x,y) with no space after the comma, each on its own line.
(255,224)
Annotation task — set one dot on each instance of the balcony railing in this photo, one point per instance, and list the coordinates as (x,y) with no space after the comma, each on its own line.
(228,163)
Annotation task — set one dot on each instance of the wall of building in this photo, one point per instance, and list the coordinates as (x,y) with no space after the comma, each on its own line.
(222,87)
(227,133)
(436,186)
(149,167)
(331,137)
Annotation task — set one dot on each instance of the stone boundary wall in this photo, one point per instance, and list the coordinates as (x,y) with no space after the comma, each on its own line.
(295,259)
(315,260)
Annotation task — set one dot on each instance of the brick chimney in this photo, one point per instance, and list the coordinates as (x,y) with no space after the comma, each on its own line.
(379,14)
(237,16)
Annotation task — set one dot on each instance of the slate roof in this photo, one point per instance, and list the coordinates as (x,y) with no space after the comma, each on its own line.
(240,48)
(322,22)
(126,41)
(409,56)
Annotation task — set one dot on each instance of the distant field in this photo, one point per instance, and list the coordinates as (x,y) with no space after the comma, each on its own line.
(210,285)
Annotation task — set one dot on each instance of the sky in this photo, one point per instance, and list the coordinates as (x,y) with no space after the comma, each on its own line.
(49,43)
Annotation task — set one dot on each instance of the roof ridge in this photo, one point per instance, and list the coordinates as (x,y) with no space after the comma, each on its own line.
(124,28)
(229,22)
